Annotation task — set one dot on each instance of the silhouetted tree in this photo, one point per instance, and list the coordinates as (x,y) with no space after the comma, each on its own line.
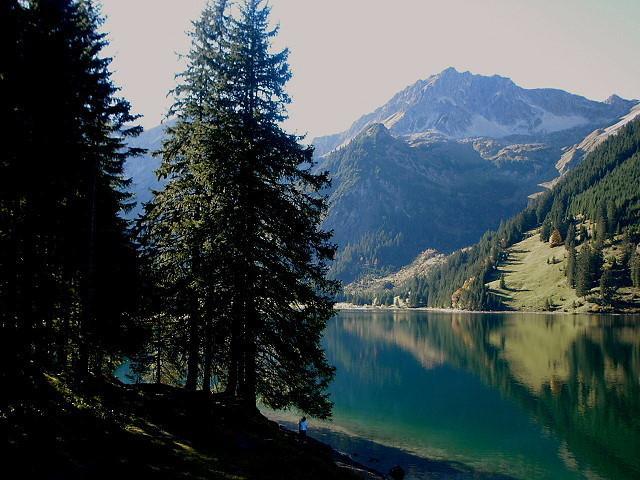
(237,229)
(66,253)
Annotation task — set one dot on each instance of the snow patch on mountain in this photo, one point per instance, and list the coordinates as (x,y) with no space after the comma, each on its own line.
(550,122)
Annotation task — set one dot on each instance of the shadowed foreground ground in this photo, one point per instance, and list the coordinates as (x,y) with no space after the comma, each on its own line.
(103,429)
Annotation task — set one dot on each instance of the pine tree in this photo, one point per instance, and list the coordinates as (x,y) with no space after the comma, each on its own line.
(242,212)
(545,231)
(286,289)
(571,269)
(503,283)
(68,252)
(188,251)
(602,225)
(628,249)
(570,240)
(612,219)
(607,286)
(635,269)
(556,238)
(584,271)
(597,263)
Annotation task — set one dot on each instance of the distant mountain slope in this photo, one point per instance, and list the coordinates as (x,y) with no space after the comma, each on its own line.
(390,200)
(576,153)
(461,105)
(142,170)
(381,288)
(601,193)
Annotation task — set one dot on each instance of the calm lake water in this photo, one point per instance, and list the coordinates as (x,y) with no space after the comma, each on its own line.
(525,396)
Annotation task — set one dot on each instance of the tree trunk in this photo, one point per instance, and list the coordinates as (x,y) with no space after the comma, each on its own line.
(88,315)
(194,355)
(233,376)
(193,362)
(26,307)
(159,336)
(12,284)
(208,343)
(62,339)
(249,358)
(208,363)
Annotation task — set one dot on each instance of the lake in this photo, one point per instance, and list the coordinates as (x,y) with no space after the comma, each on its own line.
(528,396)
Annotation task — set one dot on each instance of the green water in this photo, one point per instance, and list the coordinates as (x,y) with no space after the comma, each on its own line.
(529,396)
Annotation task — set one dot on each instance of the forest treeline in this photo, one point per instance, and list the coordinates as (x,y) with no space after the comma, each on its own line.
(590,205)
(220,285)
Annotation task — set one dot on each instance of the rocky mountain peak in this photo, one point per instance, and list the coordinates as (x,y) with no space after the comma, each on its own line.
(615,100)
(465,105)
(375,130)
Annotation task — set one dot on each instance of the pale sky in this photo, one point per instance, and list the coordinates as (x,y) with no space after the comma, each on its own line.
(350,56)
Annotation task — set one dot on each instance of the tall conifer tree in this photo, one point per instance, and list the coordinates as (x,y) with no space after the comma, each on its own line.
(243,201)
(68,252)
(635,269)
(570,241)
(571,269)
(602,225)
(584,271)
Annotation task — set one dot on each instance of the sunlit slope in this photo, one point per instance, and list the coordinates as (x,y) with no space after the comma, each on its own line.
(532,278)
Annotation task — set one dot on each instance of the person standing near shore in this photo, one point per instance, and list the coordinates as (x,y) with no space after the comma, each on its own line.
(302,427)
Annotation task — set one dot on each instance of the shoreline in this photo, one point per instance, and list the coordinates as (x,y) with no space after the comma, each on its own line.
(373,457)
(344,306)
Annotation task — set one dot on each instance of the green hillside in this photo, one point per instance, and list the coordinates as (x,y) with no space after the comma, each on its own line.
(534,274)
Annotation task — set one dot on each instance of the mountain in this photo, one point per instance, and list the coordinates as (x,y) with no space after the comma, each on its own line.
(439,164)
(391,199)
(462,105)
(576,153)
(142,169)
(593,209)
(445,160)
(380,289)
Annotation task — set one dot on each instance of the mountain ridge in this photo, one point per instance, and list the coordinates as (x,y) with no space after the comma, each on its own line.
(463,104)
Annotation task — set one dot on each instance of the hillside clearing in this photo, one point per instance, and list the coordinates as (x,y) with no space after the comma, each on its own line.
(534,280)
(532,277)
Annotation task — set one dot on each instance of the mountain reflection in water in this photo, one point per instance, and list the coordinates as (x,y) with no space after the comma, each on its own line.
(533,396)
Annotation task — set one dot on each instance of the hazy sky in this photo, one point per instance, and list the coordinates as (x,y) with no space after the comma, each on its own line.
(350,56)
